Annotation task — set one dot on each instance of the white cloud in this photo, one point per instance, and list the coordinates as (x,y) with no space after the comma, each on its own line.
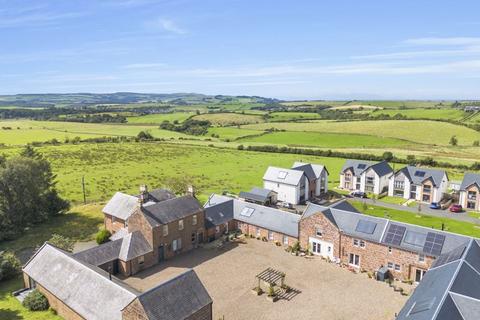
(165,25)
(446,41)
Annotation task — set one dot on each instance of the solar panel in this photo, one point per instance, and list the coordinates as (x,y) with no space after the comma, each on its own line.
(395,234)
(247,212)
(434,243)
(282,174)
(415,238)
(419,173)
(422,305)
(453,255)
(366,226)
(361,166)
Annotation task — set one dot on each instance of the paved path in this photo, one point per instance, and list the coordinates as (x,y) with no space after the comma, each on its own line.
(462,216)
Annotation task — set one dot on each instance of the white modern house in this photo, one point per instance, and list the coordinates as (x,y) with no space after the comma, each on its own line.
(290,185)
(470,192)
(421,184)
(365,176)
(317,176)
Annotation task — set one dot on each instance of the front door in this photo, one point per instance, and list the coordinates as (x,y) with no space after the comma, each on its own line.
(419,273)
(161,253)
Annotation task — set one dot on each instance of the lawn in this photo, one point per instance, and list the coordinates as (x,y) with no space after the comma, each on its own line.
(393,200)
(326,140)
(288,116)
(12,309)
(228,119)
(460,227)
(159,118)
(418,131)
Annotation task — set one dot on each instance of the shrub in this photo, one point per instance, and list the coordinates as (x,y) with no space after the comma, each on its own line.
(296,247)
(102,236)
(240,147)
(271,291)
(9,265)
(62,242)
(35,301)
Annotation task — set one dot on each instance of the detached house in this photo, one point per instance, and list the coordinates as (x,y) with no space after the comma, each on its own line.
(317,176)
(470,191)
(78,290)
(290,185)
(365,176)
(426,185)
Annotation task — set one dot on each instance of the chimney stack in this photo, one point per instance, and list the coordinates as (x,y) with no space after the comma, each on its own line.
(190,190)
(143,194)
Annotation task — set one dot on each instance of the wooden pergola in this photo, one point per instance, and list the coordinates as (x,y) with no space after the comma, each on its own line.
(271,276)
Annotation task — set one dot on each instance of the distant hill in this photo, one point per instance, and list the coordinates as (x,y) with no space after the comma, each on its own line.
(84,99)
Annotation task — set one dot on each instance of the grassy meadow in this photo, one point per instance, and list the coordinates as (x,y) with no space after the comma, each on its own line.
(159,118)
(435,114)
(290,116)
(228,119)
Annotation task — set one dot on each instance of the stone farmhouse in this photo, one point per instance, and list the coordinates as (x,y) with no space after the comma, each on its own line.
(470,191)
(450,289)
(365,176)
(77,289)
(421,184)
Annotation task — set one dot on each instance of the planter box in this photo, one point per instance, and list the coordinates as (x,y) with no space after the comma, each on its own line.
(256,292)
(272,299)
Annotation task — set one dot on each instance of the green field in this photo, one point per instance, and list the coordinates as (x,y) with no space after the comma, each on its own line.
(289,116)
(232,133)
(228,119)
(418,131)
(159,118)
(325,140)
(435,114)
(455,226)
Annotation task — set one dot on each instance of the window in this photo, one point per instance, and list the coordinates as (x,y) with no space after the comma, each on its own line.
(194,220)
(180,224)
(471,204)
(389,249)
(179,243)
(174,245)
(355,242)
(141,260)
(472,195)
(217,229)
(318,232)
(421,258)
(390,265)
(194,237)
(399,184)
(370,180)
(362,244)
(354,260)
(285,240)
(397,267)
(270,235)
(165,230)
(258,232)
(427,189)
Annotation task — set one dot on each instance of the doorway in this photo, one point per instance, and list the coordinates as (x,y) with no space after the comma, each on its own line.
(419,274)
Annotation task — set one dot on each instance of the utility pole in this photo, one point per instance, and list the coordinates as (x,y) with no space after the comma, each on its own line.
(83,189)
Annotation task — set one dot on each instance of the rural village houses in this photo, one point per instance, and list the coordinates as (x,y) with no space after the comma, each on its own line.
(421,184)
(470,191)
(158,225)
(365,176)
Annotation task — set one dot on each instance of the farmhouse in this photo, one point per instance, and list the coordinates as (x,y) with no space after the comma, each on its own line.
(450,289)
(365,176)
(421,184)
(302,182)
(252,219)
(470,191)
(369,243)
(79,290)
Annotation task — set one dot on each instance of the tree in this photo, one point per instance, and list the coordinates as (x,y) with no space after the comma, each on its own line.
(9,265)
(453,140)
(411,159)
(180,185)
(476,143)
(144,135)
(35,301)
(388,156)
(62,242)
(27,193)
(102,236)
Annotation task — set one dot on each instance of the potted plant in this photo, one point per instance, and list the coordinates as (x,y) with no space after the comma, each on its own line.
(271,295)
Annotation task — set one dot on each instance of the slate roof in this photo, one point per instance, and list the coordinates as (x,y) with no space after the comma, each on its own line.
(171,210)
(218,214)
(87,290)
(121,205)
(256,194)
(159,195)
(347,222)
(450,289)
(285,176)
(127,248)
(469,179)
(264,217)
(312,171)
(435,174)
(175,299)
(359,166)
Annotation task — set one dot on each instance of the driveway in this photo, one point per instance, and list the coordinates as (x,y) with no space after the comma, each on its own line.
(323,290)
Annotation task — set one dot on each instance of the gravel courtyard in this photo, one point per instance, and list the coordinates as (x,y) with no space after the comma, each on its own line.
(326,290)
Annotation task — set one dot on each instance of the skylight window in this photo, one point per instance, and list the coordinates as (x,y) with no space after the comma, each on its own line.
(422,305)
(282,174)
(247,212)
(420,174)
(361,166)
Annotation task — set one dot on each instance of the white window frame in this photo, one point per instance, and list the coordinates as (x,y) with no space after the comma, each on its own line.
(180,224)
(165,230)
(390,265)
(356,242)
(174,245)
(362,244)
(318,232)
(285,240)
(353,264)
(194,220)
(270,235)
(421,258)
(398,267)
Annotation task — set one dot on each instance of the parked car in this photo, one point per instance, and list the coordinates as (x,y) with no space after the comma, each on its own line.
(358,194)
(287,205)
(435,205)
(456,208)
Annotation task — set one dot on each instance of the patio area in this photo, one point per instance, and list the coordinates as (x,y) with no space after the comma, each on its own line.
(322,290)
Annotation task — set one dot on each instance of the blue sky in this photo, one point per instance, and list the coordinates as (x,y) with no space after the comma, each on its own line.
(286,49)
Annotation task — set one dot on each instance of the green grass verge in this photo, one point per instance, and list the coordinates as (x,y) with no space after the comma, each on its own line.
(393,200)
(451,225)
